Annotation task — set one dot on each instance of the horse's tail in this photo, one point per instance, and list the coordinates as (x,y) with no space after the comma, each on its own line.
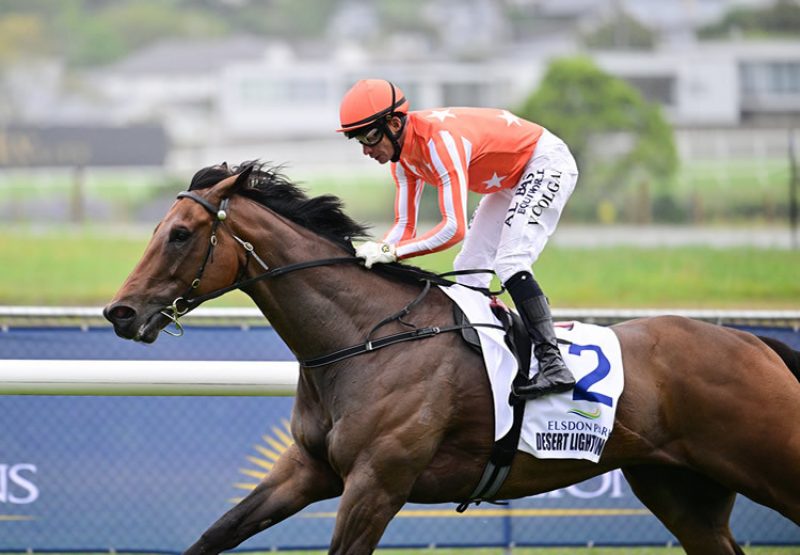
(790,357)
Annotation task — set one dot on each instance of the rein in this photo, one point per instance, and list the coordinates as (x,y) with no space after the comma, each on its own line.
(181,305)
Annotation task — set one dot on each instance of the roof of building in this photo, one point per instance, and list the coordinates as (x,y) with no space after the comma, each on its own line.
(190,56)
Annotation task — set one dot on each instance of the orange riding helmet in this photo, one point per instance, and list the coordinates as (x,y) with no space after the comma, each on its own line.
(368,101)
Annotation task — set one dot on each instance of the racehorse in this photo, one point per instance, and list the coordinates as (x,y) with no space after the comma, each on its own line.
(706,413)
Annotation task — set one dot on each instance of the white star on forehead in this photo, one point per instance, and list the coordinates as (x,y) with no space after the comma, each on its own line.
(494,181)
(441,115)
(510,118)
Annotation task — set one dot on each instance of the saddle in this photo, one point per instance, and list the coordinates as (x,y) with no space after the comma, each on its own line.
(504,449)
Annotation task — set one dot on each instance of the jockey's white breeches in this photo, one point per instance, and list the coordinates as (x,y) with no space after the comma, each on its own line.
(511,227)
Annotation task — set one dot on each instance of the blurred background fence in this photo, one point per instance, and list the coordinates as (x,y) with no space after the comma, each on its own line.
(152,472)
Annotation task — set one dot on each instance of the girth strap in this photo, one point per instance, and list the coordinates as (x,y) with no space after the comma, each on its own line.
(504,449)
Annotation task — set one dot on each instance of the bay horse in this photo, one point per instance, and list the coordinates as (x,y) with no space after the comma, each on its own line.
(707,412)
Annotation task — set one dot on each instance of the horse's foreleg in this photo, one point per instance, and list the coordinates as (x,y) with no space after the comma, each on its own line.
(693,507)
(368,504)
(294,482)
(376,487)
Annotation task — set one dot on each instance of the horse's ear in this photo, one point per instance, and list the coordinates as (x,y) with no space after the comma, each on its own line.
(231,185)
(242,179)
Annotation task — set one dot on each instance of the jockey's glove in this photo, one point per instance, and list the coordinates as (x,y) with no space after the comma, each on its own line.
(376,253)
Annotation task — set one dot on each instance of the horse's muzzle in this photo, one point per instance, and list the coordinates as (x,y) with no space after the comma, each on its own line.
(130,324)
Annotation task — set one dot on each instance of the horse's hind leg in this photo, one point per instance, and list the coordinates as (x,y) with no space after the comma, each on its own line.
(294,482)
(693,507)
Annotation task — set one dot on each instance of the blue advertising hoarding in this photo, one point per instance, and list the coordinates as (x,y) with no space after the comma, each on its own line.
(152,473)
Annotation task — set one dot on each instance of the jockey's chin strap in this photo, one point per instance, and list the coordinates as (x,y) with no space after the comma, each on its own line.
(394,138)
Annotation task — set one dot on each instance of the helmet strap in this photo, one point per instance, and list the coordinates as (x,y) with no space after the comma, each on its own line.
(394,138)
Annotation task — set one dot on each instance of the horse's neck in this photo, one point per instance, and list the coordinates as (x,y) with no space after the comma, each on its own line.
(317,310)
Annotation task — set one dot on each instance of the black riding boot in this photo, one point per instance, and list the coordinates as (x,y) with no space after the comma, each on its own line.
(553,376)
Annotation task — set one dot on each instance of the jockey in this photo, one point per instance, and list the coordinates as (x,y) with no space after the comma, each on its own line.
(525,172)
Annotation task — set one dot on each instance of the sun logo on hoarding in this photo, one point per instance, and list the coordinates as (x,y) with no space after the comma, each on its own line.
(267,453)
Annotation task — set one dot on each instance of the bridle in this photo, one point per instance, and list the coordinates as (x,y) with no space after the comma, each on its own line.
(183,303)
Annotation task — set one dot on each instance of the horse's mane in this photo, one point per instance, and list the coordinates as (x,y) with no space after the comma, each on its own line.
(323,214)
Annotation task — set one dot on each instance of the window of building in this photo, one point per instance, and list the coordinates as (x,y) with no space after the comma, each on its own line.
(659,89)
(260,91)
(771,78)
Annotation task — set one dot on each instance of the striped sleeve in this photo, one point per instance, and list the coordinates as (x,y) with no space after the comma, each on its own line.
(406,203)
(450,160)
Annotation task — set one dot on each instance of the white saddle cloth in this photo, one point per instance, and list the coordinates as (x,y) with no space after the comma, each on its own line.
(571,425)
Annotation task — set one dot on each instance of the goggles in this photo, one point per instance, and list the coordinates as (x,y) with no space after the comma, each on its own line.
(370,137)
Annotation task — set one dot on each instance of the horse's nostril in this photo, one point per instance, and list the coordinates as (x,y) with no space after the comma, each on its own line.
(119,313)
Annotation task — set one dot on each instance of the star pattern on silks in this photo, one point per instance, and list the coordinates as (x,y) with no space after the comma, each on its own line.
(510,118)
(494,181)
(441,115)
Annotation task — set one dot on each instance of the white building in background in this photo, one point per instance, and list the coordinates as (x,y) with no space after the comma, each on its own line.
(243,98)
(700,86)
(300,100)
(717,84)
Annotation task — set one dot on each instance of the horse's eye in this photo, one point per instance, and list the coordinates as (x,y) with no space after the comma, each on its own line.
(179,235)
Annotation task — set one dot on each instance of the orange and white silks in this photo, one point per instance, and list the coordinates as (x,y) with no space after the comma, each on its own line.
(455,150)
